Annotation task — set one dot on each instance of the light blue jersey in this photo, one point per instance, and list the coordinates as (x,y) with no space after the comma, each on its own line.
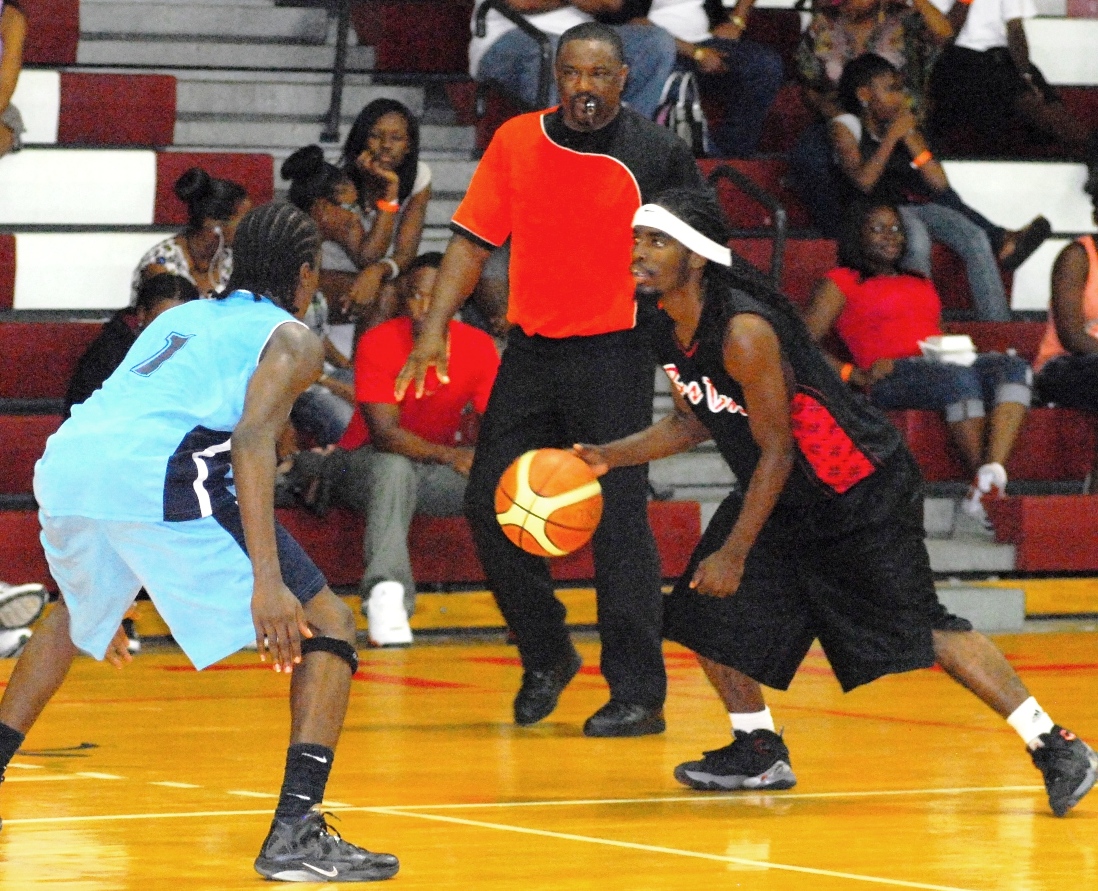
(153,443)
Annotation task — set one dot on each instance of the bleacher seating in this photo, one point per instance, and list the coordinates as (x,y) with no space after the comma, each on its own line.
(40,357)
(114,187)
(84,109)
(53,31)
(335,543)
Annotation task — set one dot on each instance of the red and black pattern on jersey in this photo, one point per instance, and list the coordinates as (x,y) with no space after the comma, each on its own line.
(827,447)
(841,440)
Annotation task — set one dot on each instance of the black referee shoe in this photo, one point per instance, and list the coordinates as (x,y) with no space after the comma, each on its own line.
(1069,766)
(755,760)
(540,690)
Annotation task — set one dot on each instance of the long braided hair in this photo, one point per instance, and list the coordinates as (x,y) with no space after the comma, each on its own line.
(699,209)
(272,241)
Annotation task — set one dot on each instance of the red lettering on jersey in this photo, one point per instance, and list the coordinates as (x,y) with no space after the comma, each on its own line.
(715,401)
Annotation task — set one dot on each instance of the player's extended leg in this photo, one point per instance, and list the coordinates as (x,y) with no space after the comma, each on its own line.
(1069,765)
(299,847)
(38,674)
(757,757)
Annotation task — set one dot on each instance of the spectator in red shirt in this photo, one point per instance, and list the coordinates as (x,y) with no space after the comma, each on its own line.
(398,459)
(881,313)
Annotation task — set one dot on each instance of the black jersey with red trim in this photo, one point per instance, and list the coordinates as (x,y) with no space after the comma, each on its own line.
(841,440)
(566,199)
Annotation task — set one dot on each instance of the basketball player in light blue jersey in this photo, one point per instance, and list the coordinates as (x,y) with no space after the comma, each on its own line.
(139,488)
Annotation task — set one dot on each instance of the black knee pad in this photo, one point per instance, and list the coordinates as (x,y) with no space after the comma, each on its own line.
(332,645)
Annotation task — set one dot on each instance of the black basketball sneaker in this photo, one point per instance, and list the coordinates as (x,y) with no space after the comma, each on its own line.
(755,760)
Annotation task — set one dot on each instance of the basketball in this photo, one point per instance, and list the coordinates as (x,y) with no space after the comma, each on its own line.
(549,502)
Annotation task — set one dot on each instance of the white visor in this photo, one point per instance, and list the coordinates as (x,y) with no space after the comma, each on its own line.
(655,217)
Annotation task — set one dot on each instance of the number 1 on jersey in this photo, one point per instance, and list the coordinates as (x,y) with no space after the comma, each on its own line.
(172,345)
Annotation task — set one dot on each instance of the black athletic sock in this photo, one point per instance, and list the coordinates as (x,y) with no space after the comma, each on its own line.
(10,741)
(307,769)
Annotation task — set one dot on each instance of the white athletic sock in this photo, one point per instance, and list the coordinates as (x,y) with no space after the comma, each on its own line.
(1030,720)
(748,721)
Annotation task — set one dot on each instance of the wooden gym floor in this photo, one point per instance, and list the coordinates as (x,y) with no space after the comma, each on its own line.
(158,777)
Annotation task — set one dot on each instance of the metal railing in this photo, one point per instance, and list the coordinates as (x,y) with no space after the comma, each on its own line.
(545,44)
(779,217)
(330,133)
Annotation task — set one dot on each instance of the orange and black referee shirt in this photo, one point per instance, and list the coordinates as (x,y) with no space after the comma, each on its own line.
(567,201)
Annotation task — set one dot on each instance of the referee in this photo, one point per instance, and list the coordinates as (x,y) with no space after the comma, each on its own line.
(564,184)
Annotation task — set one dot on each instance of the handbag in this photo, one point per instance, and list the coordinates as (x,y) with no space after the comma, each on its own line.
(680,111)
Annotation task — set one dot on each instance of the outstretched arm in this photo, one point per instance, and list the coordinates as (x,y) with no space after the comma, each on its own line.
(457,276)
(677,432)
(753,358)
(291,361)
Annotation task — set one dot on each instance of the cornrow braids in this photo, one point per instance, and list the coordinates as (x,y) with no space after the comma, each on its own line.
(700,209)
(272,241)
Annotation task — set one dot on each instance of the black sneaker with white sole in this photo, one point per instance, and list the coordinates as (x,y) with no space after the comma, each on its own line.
(755,760)
(309,850)
(1069,766)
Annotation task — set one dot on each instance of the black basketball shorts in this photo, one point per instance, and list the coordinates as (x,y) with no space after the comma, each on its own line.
(868,595)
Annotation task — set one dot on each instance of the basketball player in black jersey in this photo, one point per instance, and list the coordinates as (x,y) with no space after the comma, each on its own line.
(822,539)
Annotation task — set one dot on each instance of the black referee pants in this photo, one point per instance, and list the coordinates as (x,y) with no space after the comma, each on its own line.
(553,393)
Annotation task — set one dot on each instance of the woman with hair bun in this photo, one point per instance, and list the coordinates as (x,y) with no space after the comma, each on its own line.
(202,253)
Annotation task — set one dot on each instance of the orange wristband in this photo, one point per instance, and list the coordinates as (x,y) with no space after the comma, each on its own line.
(924,157)
(846,371)
(388,206)
(965,2)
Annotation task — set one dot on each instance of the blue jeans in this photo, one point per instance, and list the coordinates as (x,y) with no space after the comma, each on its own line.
(935,222)
(815,179)
(514,62)
(746,91)
(961,392)
(321,414)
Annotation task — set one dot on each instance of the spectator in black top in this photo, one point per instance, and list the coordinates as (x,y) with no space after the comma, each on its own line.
(157,294)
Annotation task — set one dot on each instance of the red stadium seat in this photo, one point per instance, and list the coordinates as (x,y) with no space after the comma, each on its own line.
(442,547)
(22,441)
(1050,533)
(744,212)
(53,31)
(7,271)
(255,172)
(1055,445)
(116,109)
(416,35)
(806,261)
(40,357)
(21,557)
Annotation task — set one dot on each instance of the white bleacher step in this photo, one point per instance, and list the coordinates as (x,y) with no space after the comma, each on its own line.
(268,22)
(701,466)
(207,53)
(115,186)
(96,272)
(969,554)
(988,609)
(1064,49)
(292,132)
(277,97)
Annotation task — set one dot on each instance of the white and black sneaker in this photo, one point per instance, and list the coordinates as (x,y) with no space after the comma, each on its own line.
(309,850)
(20,605)
(755,760)
(12,642)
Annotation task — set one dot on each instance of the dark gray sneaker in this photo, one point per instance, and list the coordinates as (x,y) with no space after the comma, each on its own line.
(1069,766)
(309,850)
(755,760)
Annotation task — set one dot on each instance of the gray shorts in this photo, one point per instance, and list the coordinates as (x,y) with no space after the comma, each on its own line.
(13,120)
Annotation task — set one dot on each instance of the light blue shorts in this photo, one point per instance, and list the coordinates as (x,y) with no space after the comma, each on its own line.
(196,572)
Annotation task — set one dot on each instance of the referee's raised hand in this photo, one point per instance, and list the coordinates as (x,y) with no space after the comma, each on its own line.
(430,349)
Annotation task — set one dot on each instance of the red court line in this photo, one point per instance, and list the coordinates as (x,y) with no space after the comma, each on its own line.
(402,681)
